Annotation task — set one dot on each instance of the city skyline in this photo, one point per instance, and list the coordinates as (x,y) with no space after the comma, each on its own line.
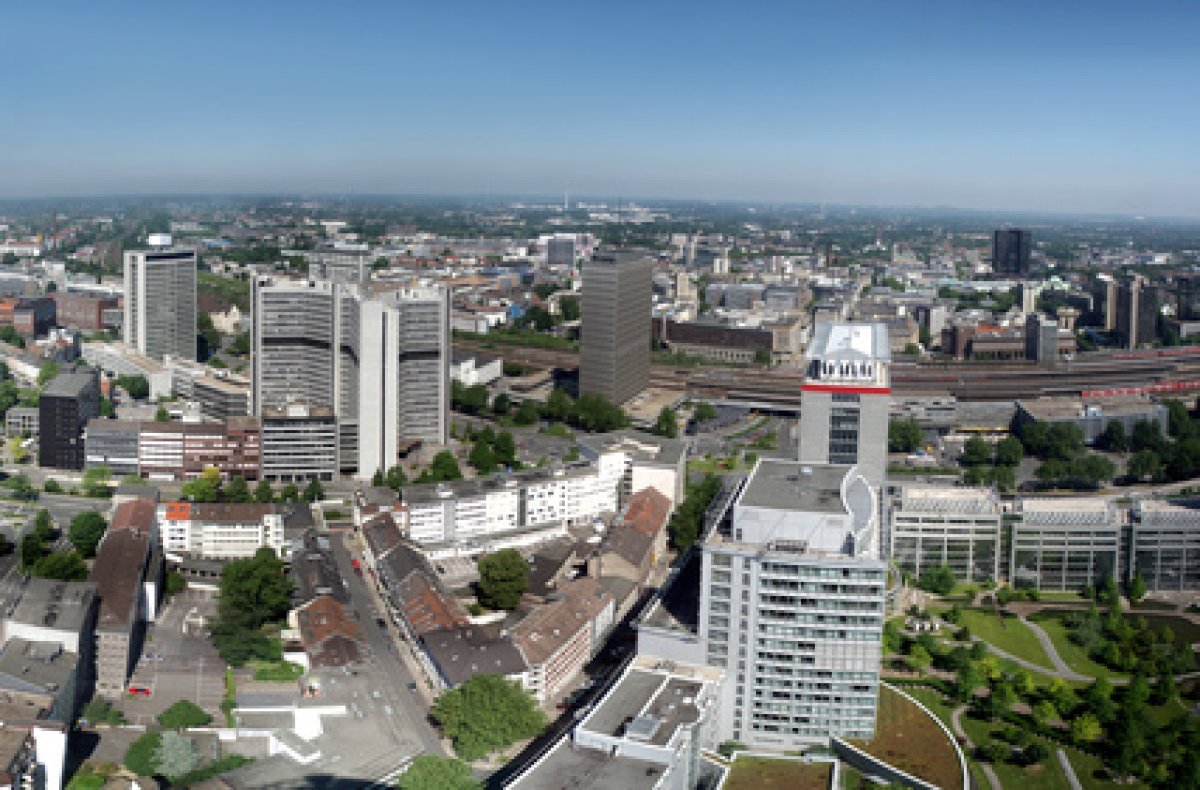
(1012,108)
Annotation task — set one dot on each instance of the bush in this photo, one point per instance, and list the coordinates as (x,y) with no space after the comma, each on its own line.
(139,757)
(184,714)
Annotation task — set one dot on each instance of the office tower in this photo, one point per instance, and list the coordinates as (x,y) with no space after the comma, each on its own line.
(160,300)
(1104,302)
(1137,312)
(560,250)
(1041,340)
(614,359)
(380,363)
(792,606)
(1187,291)
(1010,252)
(845,399)
(64,408)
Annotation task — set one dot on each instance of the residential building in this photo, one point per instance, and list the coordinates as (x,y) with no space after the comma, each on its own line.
(506,509)
(126,559)
(634,461)
(160,301)
(455,656)
(21,421)
(792,606)
(64,408)
(1165,544)
(558,638)
(18,760)
(958,527)
(846,396)
(1065,544)
(331,636)
(1010,252)
(614,359)
(228,531)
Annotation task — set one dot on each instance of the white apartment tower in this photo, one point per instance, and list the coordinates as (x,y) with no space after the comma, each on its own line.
(792,607)
(845,399)
(160,300)
(381,363)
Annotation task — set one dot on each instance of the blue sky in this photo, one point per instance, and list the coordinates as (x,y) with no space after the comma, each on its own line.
(1058,106)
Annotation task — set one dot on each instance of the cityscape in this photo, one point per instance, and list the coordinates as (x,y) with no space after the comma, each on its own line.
(710,447)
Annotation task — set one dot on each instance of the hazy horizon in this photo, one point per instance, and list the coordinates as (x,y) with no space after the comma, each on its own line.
(1009,108)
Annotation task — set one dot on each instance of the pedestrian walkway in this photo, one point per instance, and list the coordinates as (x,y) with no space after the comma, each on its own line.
(1069,771)
(988,771)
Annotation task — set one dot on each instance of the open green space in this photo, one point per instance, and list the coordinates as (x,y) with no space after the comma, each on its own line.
(1010,635)
(1047,775)
(277,671)
(1075,656)
(907,738)
(763,773)
(944,710)
(1089,770)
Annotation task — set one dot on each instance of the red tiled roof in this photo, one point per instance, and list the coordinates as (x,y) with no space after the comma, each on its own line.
(647,512)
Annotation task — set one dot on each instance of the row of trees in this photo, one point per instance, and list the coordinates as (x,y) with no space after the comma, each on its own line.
(209,487)
(688,519)
(1065,462)
(492,450)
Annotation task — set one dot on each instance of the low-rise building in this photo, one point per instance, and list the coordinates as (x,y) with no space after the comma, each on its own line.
(175,450)
(1092,415)
(459,654)
(41,676)
(21,421)
(470,368)
(1064,545)
(226,531)
(48,610)
(120,359)
(330,635)
(83,312)
(1165,544)
(220,394)
(633,460)
(933,526)
(298,444)
(558,638)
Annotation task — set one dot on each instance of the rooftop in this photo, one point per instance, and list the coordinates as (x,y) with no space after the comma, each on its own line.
(47,603)
(117,574)
(1071,407)
(551,625)
(588,769)
(69,385)
(849,342)
(434,492)
(36,667)
(647,512)
(464,652)
(945,499)
(643,447)
(788,485)
(137,515)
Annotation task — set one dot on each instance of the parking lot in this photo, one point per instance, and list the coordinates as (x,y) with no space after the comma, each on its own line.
(178,662)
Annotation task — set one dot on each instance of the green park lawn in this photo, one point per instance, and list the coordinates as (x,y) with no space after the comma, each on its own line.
(1075,656)
(944,710)
(763,773)
(1047,775)
(1011,636)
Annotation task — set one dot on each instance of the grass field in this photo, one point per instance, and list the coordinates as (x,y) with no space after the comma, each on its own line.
(911,741)
(762,773)
(1044,776)
(1075,656)
(1012,635)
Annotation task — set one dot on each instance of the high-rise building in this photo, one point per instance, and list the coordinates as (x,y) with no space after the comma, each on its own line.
(1010,251)
(1187,291)
(1041,340)
(614,359)
(845,399)
(64,408)
(379,363)
(1138,307)
(160,300)
(792,606)
(560,250)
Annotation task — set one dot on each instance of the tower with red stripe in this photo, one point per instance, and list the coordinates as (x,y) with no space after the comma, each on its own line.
(846,395)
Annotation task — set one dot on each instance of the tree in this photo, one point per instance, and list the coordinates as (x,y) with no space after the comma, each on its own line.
(184,714)
(473,399)
(176,583)
(96,480)
(939,580)
(64,566)
(1035,753)
(667,423)
(254,592)
(559,406)
(52,486)
(1085,728)
(141,756)
(162,415)
(569,307)
(289,493)
(595,414)
(432,772)
(107,410)
(238,490)
(527,413)
(904,436)
(966,682)
(505,448)
(444,467)
(705,412)
(503,579)
(33,548)
(1147,435)
(1009,452)
(1137,588)
(976,452)
(502,404)
(176,755)
(482,458)
(314,491)
(85,532)
(919,659)
(263,494)
(688,519)
(137,386)
(1113,439)
(395,478)
(377,478)
(486,713)
(47,373)
(205,488)
(1145,465)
